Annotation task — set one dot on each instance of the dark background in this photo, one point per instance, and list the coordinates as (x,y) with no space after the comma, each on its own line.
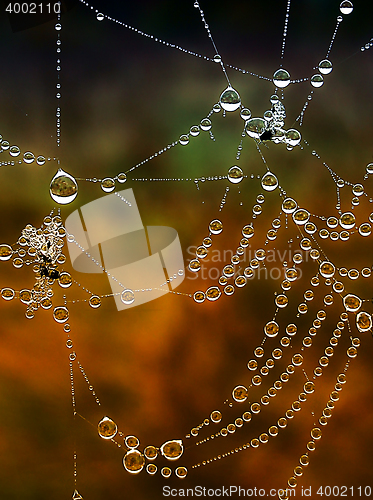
(161,368)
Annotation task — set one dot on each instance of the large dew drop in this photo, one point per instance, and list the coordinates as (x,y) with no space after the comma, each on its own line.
(281,78)
(269,182)
(230,99)
(107,428)
(325,67)
(63,188)
(133,461)
(6,252)
(317,81)
(235,174)
(172,450)
(346,7)
(255,127)
(363,321)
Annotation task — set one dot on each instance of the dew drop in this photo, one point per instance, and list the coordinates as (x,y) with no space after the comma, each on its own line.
(281,78)
(108,185)
(317,81)
(230,99)
(235,174)
(127,297)
(269,182)
(325,67)
(63,188)
(346,7)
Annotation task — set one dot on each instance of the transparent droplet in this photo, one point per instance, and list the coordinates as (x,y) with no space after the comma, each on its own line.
(28,157)
(184,139)
(6,252)
(194,130)
(317,80)
(245,114)
(217,58)
(63,188)
(121,178)
(100,16)
(230,99)
(14,151)
(172,450)
(133,461)
(325,67)
(108,185)
(255,127)
(235,174)
(205,124)
(127,297)
(293,137)
(60,314)
(346,7)
(281,78)
(269,182)
(107,428)
(58,26)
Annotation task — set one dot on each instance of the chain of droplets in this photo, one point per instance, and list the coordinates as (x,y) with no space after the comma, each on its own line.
(308,388)
(367,46)
(285,29)
(100,17)
(14,151)
(324,418)
(58,27)
(339,20)
(209,34)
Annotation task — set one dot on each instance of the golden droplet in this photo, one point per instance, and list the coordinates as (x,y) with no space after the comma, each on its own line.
(60,314)
(255,443)
(363,321)
(304,460)
(151,469)
(271,329)
(108,185)
(248,231)
(316,433)
(291,329)
(289,205)
(298,471)
(281,301)
(292,482)
(238,422)
(263,438)
(301,216)
(46,303)
(7,293)
(199,297)
(297,359)
(259,351)
(216,416)
(224,432)
(252,364)
(269,181)
(352,352)
(63,188)
(352,303)
(311,446)
(131,441)
(172,450)
(133,461)
(239,393)
(256,380)
(231,428)
(247,416)
(347,220)
(255,408)
(309,387)
(308,295)
(6,252)
(194,265)
(107,428)
(327,269)
(181,472)
(151,452)
(65,280)
(273,431)
(94,301)
(296,406)
(166,472)
(216,226)
(213,293)
(282,422)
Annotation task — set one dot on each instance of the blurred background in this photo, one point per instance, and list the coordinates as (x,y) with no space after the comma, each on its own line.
(160,369)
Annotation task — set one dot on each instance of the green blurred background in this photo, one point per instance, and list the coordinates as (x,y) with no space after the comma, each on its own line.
(161,368)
